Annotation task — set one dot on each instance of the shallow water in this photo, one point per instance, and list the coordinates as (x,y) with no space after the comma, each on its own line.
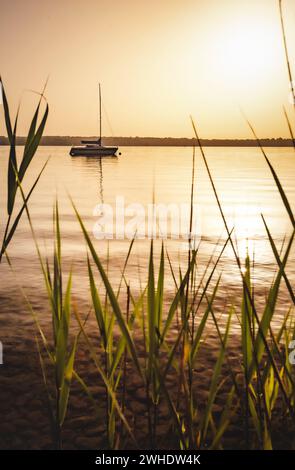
(243,181)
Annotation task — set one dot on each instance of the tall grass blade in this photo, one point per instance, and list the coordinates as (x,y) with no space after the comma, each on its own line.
(113,299)
(214,382)
(275,177)
(32,147)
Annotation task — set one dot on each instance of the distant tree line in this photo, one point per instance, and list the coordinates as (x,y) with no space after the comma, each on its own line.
(156,141)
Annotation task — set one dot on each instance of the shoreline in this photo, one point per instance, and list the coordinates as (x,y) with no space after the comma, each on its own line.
(66,141)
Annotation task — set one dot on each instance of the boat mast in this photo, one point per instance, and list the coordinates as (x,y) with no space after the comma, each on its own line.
(99,115)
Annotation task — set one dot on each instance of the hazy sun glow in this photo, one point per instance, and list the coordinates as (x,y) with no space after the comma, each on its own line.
(248,51)
(158,62)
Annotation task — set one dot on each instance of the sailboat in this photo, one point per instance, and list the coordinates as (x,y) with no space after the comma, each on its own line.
(93,148)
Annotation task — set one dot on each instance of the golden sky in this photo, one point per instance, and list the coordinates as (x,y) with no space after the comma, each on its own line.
(158,62)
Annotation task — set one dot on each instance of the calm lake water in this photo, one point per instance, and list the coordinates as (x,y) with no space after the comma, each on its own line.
(243,181)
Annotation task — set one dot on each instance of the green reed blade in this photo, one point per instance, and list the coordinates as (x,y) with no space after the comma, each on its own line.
(177,298)
(152,322)
(224,420)
(215,379)
(275,177)
(247,316)
(261,333)
(160,291)
(126,263)
(269,310)
(200,330)
(278,260)
(113,299)
(105,379)
(87,390)
(18,217)
(66,384)
(50,401)
(31,149)
(12,170)
(173,412)
(62,336)
(122,343)
(33,125)
(97,305)
(6,113)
